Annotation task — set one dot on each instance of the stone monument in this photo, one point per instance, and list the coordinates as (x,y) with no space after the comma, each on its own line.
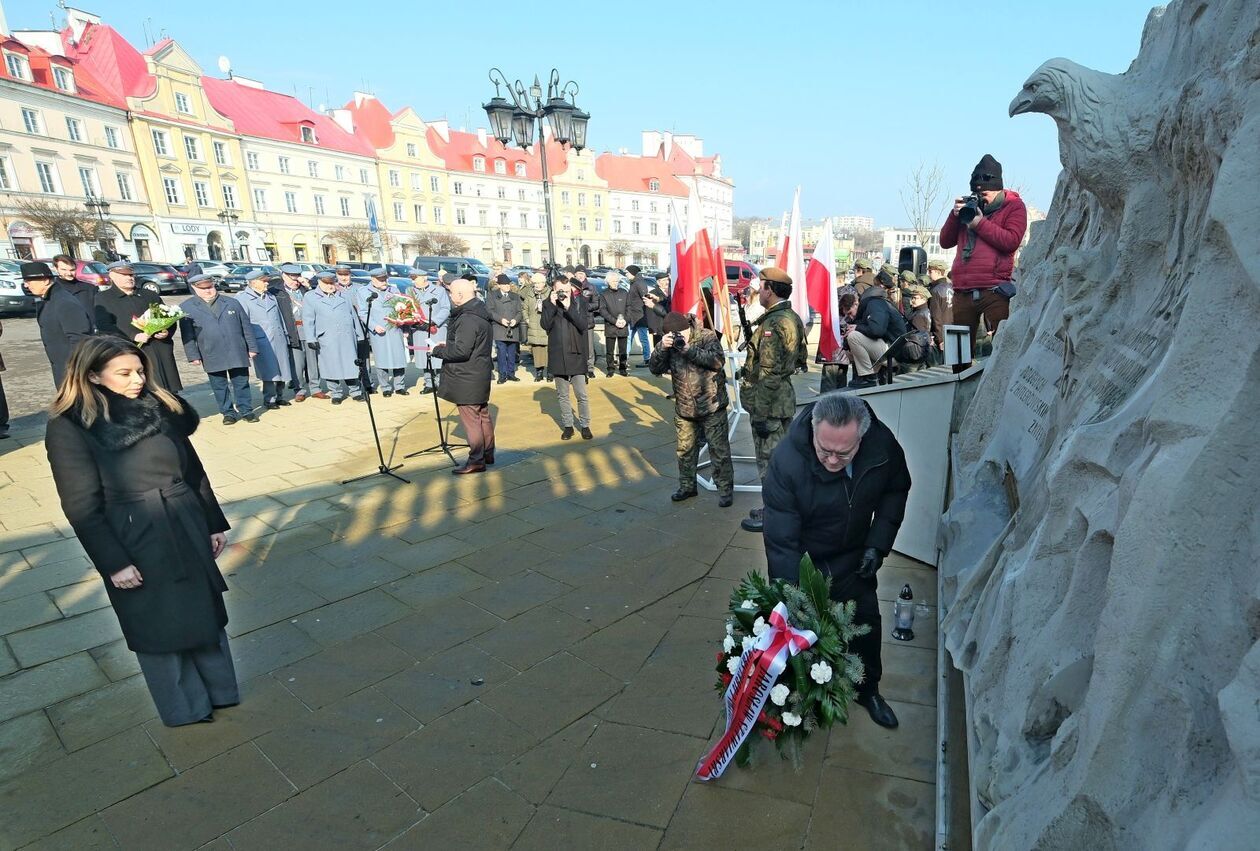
(1100,561)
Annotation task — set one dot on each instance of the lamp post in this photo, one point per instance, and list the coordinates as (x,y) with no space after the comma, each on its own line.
(229,217)
(504,245)
(522,118)
(101,207)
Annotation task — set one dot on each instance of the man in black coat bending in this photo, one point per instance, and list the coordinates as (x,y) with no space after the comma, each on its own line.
(836,488)
(466,368)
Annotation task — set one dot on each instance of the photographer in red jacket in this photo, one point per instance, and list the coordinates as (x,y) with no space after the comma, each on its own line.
(987,227)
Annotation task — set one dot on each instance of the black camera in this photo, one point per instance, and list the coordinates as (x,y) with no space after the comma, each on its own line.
(679,341)
(970,208)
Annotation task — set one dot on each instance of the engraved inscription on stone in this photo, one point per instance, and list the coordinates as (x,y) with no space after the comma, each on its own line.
(1121,371)
(1034,386)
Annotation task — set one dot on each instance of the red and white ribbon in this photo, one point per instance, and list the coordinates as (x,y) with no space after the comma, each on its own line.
(759,667)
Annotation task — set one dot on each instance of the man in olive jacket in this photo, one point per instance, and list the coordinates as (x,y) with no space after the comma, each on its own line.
(696,362)
(837,489)
(466,369)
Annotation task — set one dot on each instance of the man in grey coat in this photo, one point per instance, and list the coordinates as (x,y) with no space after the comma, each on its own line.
(332,327)
(388,342)
(507,313)
(291,292)
(272,364)
(218,337)
(435,301)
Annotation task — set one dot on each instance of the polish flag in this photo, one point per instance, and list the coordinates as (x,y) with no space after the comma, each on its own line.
(792,259)
(693,263)
(820,287)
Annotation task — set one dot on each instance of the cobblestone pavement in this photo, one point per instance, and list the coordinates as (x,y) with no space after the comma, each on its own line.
(521,659)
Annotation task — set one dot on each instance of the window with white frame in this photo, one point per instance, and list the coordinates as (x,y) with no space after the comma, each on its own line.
(18,66)
(400,214)
(251,161)
(192,147)
(599,225)
(434,184)
(566,224)
(345,206)
(634,204)
(284,165)
(201,192)
(260,200)
(290,202)
(183,104)
(457,187)
(503,218)
(47,177)
(598,202)
(417,210)
(564,197)
(542,221)
(63,78)
(308,135)
(411,149)
(652,228)
(437,215)
(74,129)
(502,192)
(520,169)
(479,164)
(652,206)
(520,195)
(6,180)
(616,225)
(229,196)
(111,137)
(319,205)
(582,223)
(395,177)
(31,121)
(125,191)
(170,186)
(221,154)
(363,176)
(461,216)
(312,168)
(581,199)
(87,177)
(500,166)
(161,146)
(654,185)
(481,218)
(339,171)
(634,227)
(415,181)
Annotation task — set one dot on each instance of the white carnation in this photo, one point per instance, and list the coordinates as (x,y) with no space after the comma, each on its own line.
(728,644)
(748,604)
(779,694)
(791,719)
(820,672)
(760,626)
(730,628)
(732,664)
(747,642)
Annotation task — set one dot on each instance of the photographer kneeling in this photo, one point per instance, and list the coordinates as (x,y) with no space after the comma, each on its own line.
(697,364)
(878,324)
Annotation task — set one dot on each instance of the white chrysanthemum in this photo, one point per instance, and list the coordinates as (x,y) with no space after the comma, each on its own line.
(728,644)
(791,719)
(748,604)
(779,694)
(732,664)
(820,672)
(747,642)
(760,626)
(730,628)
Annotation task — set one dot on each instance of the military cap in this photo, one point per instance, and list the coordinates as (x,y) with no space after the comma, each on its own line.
(326,275)
(379,272)
(417,272)
(199,280)
(502,280)
(290,268)
(914,290)
(925,280)
(449,278)
(890,270)
(938,265)
(343,267)
(908,276)
(119,266)
(34,270)
(776,275)
(255,274)
(863,263)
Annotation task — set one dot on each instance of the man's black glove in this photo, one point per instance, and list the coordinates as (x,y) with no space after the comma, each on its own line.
(314,347)
(760,428)
(871,561)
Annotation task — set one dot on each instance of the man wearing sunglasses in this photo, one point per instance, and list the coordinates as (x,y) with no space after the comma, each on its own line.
(836,488)
(987,235)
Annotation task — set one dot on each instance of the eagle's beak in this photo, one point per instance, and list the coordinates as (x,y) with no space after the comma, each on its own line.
(1022,103)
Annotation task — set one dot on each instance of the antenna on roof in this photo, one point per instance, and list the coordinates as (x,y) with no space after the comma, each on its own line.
(225,66)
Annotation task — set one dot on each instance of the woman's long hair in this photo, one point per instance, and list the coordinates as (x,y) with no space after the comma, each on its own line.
(78,394)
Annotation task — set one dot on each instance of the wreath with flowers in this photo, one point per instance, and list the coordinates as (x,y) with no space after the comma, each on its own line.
(785,669)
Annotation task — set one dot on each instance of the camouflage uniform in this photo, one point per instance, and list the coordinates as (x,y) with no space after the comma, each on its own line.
(777,351)
(700,402)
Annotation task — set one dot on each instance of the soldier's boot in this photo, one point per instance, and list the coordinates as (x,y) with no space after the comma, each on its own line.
(681,494)
(726,500)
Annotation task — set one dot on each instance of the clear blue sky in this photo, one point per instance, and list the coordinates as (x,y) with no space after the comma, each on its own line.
(846,104)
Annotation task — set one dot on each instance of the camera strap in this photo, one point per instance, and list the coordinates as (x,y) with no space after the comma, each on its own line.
(970,245)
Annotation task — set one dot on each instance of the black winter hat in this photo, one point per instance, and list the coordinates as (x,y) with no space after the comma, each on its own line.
(35,270)
(987,174)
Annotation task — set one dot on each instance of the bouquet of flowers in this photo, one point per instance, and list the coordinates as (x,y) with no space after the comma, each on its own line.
(785,669)
(157,318)
(405,312)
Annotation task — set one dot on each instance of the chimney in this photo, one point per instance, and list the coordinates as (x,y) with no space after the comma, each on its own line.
(4,22)
(247,82)
(343,118)
(482,139)
(442,128)
(361,97)
(77,20)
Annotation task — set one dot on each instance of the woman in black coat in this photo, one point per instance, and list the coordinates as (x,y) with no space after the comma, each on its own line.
(565,318)
(115,308)
(135,492)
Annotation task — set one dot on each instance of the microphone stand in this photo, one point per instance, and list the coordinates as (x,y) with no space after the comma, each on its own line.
(382,469)
(444,444)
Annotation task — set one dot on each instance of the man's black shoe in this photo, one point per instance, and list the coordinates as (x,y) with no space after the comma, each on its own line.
(228,419)
(403,392)
(726,500)
(514,377)
(863,381)
(387,394)
(756,513)
(273,406)
(339,400)
(586,433)
(360,398)
(680,495)
(748,524)
(251,417)
(591,374)
(502,380)
(881,713)
(623,372)
(426,390)
(566,433)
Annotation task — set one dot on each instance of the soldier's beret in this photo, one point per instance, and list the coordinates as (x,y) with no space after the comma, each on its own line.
(908,276)
(890,270)
(863,263)
(774,274)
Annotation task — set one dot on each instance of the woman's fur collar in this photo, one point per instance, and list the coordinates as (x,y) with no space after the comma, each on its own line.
(132,420)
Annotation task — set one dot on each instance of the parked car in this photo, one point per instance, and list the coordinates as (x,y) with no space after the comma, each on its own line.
(87,271)
(514,272)
(161,278)
(740,275)
(457,266)
(234,281)
(208,267)
(14,297)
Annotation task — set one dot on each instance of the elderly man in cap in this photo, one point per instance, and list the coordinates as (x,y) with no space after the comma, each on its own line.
(466,370)
(435,301)
(535,335)
(941,302)
(507,315)
(619,313)
(916,348)
(291,293)
(118,304)
(218,337)
(344,276)
(333,334)
(62,318)
(388,342)
(267,319)
(776,352)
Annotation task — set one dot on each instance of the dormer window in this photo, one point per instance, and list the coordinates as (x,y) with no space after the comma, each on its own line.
(411,149)
(654,185)
(479,163)
(17,65)
(308,135)
(182,104)
(520,169)
(500,166)
(63,78)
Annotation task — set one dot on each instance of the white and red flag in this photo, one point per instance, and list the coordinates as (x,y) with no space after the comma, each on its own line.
(695,264)
(792,259)
(820,288)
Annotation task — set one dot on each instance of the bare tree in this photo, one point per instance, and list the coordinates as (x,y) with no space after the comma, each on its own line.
(438,244)
(922,199)
(620,250)
(357,239)
(65,225)
(741,232)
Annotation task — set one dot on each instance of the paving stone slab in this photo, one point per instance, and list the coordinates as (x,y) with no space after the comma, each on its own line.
(338,582)
(333,738)
(909,674)
(342,670)
(487,817)
(89,834)
(47,684)
(758,821)
(533,636)
(250,611)
(517,594)
(452,754)
(629,773)
(862,810)
(68,549)
(581,566)
(667,696)
(343,620)
(360,808)
(437,628)
(620,650)
(62,638)
(535,772)
(116,660)
(271,647)
(432,552)
(435,584)
(505,560)
(446,681)
(7,663)
(82,597)
(549,510)
(101,713)
(908,751)
(772,775)
(46,577)
(553,827)
(25,742)
(200,804)
(28,611)
(50,797)
(552,694)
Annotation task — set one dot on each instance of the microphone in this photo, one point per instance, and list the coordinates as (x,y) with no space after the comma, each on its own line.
(432,301)
(372,297)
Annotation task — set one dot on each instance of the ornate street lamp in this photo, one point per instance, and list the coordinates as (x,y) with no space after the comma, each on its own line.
(522,118)
(229,217)
(100,207)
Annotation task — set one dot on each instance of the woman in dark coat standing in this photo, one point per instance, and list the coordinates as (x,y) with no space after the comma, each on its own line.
(466,368)
(135,492)
(115,308)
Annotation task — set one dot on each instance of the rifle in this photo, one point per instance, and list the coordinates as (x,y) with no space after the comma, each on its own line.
(744,324)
